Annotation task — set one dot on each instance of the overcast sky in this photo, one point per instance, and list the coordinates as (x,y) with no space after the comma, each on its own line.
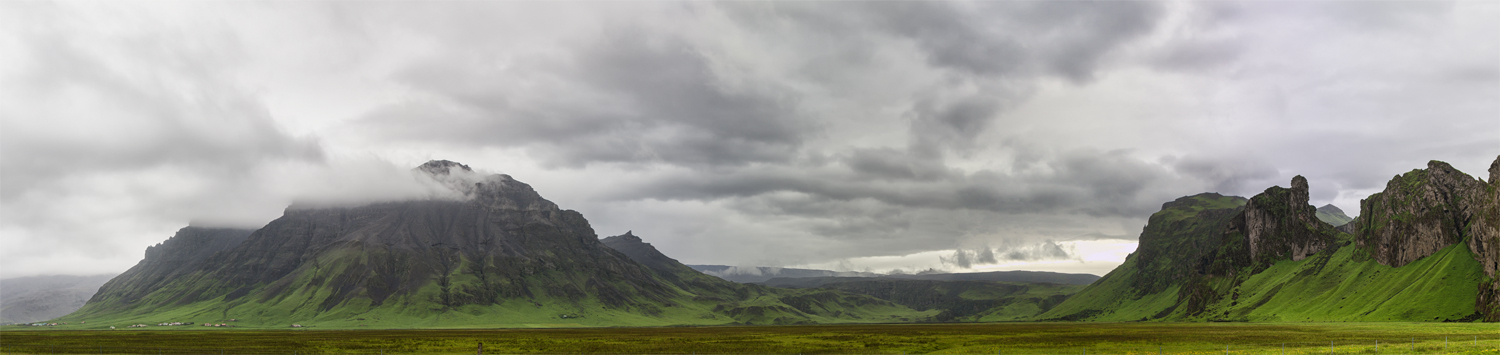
(846,135)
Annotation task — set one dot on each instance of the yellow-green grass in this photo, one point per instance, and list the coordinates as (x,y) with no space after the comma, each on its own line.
(990,338)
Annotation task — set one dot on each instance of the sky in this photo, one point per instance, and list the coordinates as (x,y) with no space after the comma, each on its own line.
(879,136)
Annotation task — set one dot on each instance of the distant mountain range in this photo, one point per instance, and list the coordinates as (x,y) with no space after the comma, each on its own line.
(39,298)
(969,297)
(749,274)
(1333,215)
(771,275)
(1425,249)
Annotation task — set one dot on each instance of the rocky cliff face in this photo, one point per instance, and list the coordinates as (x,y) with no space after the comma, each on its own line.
(1278,224)
(1484,241)
(1423,211)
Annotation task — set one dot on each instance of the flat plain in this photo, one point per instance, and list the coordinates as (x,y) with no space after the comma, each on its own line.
(985,338)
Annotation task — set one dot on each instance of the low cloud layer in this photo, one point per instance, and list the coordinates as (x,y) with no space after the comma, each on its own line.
(758,133)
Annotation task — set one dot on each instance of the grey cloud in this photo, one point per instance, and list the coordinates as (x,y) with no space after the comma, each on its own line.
(1067,38)
(1198,54)
(968,259)
(895,164)
(208,123)
(1385,15)
(1226,175)
(950,124)
(1089,182)
(630,95)
(1048,250)
(1094,29)
(963,259)
(985,256)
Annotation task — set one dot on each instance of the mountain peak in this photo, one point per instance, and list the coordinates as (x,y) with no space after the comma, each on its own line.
(442,167)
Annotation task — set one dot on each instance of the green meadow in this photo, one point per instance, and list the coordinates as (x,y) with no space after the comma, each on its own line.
(986,338)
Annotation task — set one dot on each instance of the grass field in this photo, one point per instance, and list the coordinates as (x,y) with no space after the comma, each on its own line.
(992,338)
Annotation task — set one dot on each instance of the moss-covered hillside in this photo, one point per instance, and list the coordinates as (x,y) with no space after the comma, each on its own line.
(1420,251)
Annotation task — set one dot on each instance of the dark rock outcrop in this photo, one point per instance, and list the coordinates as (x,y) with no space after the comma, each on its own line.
(1421,212)
(1276,224)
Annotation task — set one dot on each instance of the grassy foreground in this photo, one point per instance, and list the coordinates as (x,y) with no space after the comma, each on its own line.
(993,338)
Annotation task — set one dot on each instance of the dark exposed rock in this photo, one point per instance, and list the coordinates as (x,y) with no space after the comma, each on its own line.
(1421,212)
(1276,224)
(1483,232)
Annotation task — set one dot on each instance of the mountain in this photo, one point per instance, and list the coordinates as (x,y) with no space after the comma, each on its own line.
(1333,215)
(39,298)
(1425,212)
(1422,250)
(495,254)
(748,274)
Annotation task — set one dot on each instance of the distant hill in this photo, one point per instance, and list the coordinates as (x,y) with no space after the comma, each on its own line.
(963,301)
(39,298)
(749,274)
(1007,276)
(1424,249)
(764,275)
(1333,215)
(962,297)
(757,304)
(501,256)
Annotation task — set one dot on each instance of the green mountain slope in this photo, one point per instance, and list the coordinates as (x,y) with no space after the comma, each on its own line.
(1416,255)
(501,256)
(1333,215)
(1173,244)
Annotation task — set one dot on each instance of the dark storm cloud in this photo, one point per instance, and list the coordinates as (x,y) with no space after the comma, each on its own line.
(888,163)
(635,94)
(1224,174)
(630,95)
(1089,182)
(1067,38)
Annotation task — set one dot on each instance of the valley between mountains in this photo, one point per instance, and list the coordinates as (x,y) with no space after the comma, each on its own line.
(1425,249)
